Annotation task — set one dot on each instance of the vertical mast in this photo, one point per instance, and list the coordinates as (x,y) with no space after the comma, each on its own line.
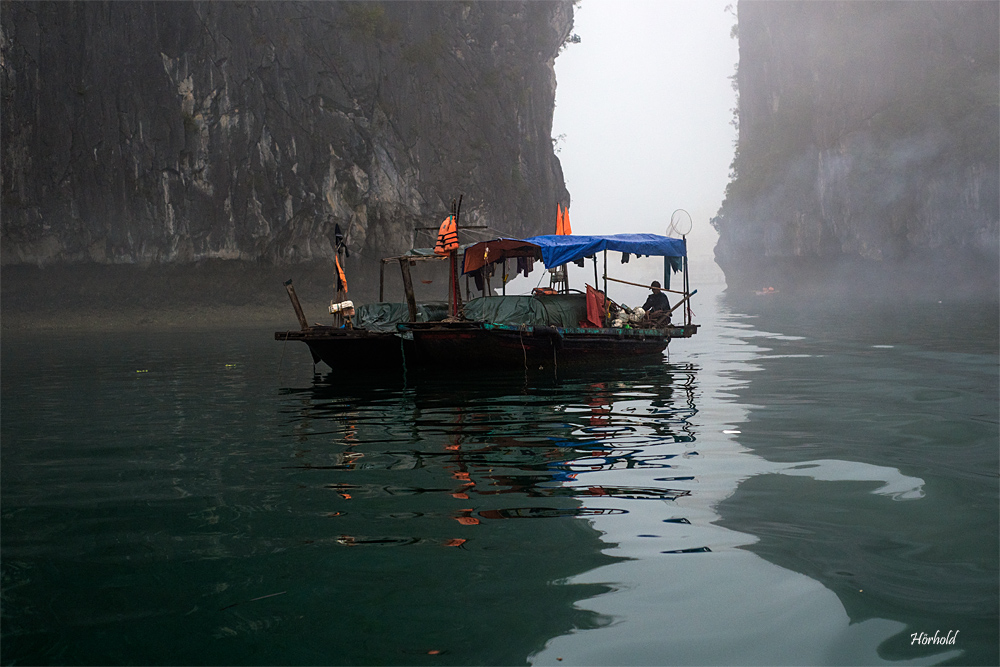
(456,272)
(454,286)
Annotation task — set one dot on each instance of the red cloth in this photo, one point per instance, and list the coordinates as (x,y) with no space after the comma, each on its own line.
(595,306)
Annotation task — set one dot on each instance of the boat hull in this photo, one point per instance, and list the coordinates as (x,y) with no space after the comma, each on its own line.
(350,349)
(475,345)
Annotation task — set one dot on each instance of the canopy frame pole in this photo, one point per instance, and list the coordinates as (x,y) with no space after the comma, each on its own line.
(607,304)
(595,270)
(687,295)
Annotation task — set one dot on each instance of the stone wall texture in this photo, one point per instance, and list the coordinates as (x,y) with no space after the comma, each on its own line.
(151,133)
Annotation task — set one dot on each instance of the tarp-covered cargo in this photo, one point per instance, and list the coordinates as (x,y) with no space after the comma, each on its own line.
(384,316)
(557,310)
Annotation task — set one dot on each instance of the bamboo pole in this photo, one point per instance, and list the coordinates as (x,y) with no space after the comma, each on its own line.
(625,282)
(678,304)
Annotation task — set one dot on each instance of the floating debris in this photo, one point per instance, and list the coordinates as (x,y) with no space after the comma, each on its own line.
(262,597)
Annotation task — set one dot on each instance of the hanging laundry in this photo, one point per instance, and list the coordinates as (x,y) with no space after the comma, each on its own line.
(525,265)
(626,257)
(595,306)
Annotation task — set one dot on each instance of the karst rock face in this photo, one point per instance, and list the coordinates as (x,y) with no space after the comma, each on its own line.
(868,140)
(172,132)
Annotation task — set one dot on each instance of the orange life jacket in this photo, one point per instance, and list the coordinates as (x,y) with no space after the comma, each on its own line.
(447,239)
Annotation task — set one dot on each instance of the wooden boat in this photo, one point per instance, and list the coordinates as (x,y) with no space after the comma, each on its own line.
(553,326)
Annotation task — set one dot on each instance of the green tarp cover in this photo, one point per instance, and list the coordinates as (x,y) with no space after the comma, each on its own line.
(384,316)
(558,310)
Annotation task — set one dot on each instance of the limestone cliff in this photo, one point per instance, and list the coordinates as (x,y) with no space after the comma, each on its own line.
(147,133)
(868,144)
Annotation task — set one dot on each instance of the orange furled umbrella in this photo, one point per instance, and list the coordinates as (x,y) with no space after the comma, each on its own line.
(562,221)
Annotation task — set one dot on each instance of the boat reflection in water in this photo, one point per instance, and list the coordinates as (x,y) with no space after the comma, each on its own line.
(491,485)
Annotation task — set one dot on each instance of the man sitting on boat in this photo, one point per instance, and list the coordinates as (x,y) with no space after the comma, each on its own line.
(657,300)
(657,305)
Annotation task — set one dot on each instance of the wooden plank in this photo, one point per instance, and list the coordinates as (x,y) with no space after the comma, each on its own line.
(411,302)
(303,322)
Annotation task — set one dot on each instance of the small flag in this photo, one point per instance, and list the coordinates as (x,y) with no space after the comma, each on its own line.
(341,278)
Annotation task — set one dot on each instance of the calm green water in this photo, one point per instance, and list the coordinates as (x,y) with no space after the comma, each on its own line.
(789,487)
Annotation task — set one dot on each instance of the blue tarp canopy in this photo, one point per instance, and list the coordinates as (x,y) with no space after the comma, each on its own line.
(558,250)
